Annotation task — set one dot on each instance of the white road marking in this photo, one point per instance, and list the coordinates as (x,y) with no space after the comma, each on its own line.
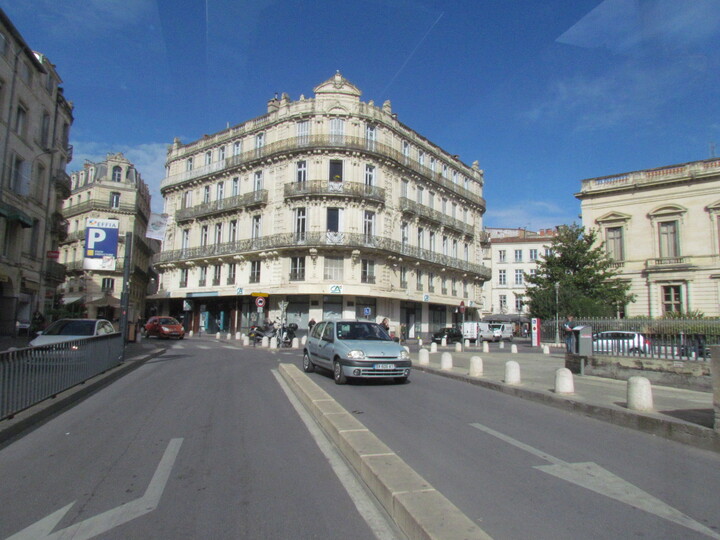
(372,515)
(110,519)
(593,477)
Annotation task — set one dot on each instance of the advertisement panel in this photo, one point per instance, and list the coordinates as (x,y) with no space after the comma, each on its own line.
(101,244)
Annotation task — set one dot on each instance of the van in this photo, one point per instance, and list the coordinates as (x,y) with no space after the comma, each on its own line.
(502,331)
(472,331)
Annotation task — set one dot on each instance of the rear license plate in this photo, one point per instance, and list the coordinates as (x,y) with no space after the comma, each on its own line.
(384,366)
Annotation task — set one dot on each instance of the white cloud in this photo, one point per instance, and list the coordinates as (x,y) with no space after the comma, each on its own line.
(149,160)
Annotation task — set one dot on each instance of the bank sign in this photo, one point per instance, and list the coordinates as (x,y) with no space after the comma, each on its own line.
(101,244)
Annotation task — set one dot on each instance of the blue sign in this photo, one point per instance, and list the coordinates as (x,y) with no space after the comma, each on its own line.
(366,311)
(101,243)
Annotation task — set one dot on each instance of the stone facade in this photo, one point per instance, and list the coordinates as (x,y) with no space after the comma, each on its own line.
(330,206)
(662,228)
(35,120)
(110,189)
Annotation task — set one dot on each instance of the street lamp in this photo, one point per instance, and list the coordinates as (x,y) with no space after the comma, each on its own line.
(557,313)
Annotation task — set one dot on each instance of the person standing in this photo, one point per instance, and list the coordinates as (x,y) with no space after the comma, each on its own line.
(386,324)
(569,333)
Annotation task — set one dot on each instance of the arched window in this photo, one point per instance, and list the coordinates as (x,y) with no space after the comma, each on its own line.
(117,174)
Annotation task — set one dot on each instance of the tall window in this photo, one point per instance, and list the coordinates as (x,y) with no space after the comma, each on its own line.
(614,243)
(669,246)
(208,157)
(218,233)
(256,223)
(502,277)
(431,245)
(418,280)
(231,273)
(367,272)
(369,175)
(108,285)
(421,158)
(455,249)
(204,235)
(300,224)
(301,171)
(45,130)
(232,231)
(220,191)
(202,280)
(406,151)
(18,176)
(303,132)
(216,275)
(189,164)
(404,234)
(518,255)
(254,271)
(333,219)
(235,186)
(206,194)
(297,268)
(333,270)
(337,130)
(114,200)
(501,256)
(369,225)
(403,277)
(518,277)
(20,120)
(518,304)
(431,200)
(183,277)
(370,137)
(420,191)
(503,302)
(258,181)
(431,282)
(404,188)
(259,144)
(672,299)
(185,241)
(237,148)
(336,170)
(533,254)
(221,153)
(445,245)
(187,199)
(421,238)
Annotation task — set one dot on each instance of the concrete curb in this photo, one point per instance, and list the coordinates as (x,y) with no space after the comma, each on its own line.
(40,413)
(683,432)
(417,508)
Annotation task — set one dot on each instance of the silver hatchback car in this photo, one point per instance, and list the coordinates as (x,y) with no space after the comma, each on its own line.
(355,349)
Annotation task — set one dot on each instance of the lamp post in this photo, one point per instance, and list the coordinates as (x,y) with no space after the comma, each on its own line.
(557,313)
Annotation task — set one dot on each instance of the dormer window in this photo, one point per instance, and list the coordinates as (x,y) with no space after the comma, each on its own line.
(117,174)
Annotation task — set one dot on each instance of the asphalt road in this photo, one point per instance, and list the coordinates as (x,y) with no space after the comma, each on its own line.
(201,442)
(525,470)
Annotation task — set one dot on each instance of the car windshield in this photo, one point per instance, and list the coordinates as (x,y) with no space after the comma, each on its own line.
(361,331)
(71,328)
(167,320)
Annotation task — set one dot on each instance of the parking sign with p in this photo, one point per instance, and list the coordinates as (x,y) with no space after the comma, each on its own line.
(101,242)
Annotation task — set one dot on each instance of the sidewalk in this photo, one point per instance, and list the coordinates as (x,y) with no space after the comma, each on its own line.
(685,416)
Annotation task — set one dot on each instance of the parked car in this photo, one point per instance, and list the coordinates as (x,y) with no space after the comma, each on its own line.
(355,349)
(621,342)
(164,327)
(70,329)
(452,335)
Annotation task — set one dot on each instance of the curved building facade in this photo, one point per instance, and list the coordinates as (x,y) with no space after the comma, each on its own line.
(323,207)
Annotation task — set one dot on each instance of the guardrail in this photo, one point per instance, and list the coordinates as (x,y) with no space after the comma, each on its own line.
(29,376)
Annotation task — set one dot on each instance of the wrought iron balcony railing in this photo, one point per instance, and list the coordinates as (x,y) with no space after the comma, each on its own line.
(340,189)
(406,205)
(255,246)
(104,205)
(229,204)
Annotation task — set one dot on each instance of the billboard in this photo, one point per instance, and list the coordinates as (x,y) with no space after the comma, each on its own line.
(101,244)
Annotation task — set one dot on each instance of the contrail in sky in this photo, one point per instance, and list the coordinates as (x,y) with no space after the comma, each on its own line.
(382,94)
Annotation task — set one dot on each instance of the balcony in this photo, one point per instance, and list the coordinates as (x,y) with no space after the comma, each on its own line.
(667,263)
(316,142)
(63,184)
(102,205)
(334,189)
(411,207)
(383,245)
(54,272)
(227,205)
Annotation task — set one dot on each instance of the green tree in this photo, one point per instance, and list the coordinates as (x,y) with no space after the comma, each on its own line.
(587,284)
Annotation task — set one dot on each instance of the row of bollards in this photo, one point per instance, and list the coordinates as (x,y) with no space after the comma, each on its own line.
(639,390)
(266,342)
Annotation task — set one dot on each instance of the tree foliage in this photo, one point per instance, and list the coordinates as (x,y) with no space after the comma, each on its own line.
(586,277)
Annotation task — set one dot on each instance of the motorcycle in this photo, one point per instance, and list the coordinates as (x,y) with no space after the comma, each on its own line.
(257,333)
(287,334)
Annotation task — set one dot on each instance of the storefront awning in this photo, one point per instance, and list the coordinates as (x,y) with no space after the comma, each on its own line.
(105,301)
(15,214)
(71,299)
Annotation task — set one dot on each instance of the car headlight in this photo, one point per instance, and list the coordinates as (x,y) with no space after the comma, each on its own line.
(404,355)
(356,354)
(166,329)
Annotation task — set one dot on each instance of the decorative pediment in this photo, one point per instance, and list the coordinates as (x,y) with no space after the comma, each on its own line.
(667,210)
(337,85)
(713,208)
(613,217)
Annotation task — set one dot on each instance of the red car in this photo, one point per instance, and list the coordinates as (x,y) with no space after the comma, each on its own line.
(164,327)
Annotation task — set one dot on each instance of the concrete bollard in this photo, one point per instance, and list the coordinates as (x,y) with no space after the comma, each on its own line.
(546,349)
(419,342)
(443,342)
(466,343)
(564,383)
(217,335)
(639,394)
(476,366)
(245,341)
(273,342)
(501,344)
(423,357)
(446,361)
(433,347)
(513,348)
(458,347)
(238,336)
(265,342)
(295,343)
(486,347)
(190,333)
(229,336)
(512,373)
(303,340)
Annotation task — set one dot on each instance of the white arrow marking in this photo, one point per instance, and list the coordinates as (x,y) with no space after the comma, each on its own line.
(101,523)
(593,477)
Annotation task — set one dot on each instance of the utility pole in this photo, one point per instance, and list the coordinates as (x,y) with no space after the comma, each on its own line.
(557,313)
(125,295)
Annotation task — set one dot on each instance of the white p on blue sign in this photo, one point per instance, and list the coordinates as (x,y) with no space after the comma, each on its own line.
(101,243)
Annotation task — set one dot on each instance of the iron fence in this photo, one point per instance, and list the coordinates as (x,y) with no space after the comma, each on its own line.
(28,376)
(671,339)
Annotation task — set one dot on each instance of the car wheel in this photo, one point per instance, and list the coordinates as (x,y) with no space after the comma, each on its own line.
(308,366)
(401,380)
(338,374)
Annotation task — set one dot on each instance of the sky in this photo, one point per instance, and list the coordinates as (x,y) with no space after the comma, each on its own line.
(543,94)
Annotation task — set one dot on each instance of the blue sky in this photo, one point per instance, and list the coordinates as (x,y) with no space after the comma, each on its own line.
(542,93)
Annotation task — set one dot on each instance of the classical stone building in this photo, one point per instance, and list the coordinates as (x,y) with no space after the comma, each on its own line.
(331,207)
(35,120)
(661,227)
(110,189)
(513,254)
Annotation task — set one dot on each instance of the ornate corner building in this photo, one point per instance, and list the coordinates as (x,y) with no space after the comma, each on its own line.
(110,189)
(662,228)
(329,206)
(35,120)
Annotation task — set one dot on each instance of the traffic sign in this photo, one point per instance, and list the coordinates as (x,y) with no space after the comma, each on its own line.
(462,306)
(260,301)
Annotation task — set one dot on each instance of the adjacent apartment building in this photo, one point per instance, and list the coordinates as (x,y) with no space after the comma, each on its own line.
(513,254)
(110,189)
(35,120)
(661,227)
(322,207)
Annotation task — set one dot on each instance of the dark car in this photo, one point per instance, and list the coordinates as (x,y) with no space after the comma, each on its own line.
(164,327)
(452,335)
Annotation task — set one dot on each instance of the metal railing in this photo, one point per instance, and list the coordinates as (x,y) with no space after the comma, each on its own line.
(219,206)
(328,188)
(407,205)
(29,376)
(671,339)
